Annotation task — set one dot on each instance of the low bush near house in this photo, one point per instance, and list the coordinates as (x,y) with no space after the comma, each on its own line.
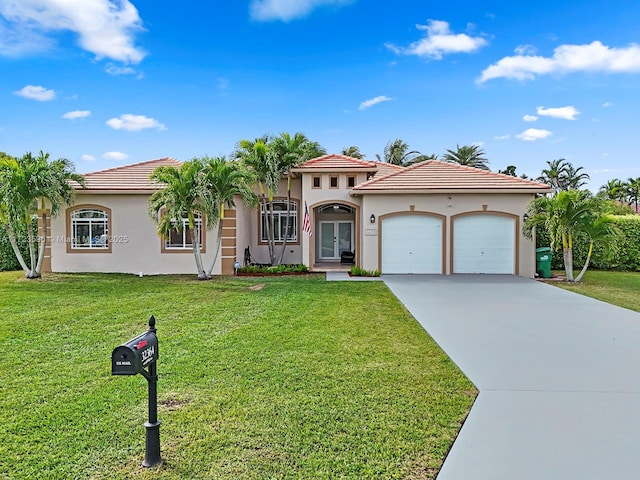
(274,269)
(361,272)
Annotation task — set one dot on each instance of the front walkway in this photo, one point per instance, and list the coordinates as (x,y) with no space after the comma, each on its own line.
(558,375)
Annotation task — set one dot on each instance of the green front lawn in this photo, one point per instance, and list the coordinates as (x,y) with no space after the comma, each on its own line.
(299,379)
(617,288)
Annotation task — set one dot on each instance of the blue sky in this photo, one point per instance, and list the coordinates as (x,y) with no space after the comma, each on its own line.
(113,82)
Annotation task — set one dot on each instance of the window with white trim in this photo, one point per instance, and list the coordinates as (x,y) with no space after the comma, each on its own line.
(89,229)
(280,221)
(180,239)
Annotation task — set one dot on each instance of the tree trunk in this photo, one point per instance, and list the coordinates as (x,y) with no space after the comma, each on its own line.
(271,231)
(586,263)
(286,229)
(42,244)
(217,249)
(195,243)
(16,249)
(32,251)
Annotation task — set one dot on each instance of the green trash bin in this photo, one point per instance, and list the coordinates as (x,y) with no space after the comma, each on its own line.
(543,262)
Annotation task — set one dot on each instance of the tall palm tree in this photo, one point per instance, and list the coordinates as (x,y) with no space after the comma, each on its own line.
(28,186)
(184,195)
(398,153)
(565,216)
(291,151)
(562,175)
(613,190)
(353,152)
(554,174)
(575,178)
(632,190)
(468,155)
(223,182)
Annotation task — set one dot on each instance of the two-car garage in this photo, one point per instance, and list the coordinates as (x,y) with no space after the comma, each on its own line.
(480,242)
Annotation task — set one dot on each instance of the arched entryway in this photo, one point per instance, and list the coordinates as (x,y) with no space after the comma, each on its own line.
(334,240)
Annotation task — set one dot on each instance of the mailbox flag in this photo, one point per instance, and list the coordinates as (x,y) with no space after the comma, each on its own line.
(306,221)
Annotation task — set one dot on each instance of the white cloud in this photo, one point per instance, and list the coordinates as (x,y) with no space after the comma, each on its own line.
(134,123)
(38,93)
(566,113)
(525,50)
(530,118)
(439,41)
(105,28)
(533,134)
(502,137)
(116,70)
(285,10)
(76,114)
(87,158)
(607,104)
(594,57)
(119,156)
(373,101)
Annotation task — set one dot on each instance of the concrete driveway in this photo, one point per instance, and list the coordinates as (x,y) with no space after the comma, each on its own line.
(558,375)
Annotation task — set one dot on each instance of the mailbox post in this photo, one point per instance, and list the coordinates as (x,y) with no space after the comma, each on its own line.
(132,358)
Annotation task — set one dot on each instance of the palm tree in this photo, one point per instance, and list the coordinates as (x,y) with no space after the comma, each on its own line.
(28,186)
(573,179)
(223,182)
(184,195)
(632,190)
(613,190)
(291,151)
(353,152)
(398,153)
(554,175)
(565,216)
(271,159)
(562,175)
(468,155)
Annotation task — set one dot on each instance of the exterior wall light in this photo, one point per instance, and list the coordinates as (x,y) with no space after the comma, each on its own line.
(372,218)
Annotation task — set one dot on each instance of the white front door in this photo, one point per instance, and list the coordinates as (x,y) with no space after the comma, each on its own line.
(335,238)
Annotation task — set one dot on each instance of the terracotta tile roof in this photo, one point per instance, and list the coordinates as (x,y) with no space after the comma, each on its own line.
(334,163)
(436,176)
(385,168)
(128,177)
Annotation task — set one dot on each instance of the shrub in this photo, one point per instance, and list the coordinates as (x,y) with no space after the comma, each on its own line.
(361,272)
(8,260)
(274,269)
(625,258)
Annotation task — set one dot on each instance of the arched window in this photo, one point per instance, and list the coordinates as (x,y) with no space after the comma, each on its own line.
(89,229)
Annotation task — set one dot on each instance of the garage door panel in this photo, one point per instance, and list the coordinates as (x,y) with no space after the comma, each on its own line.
(412,244)
(484,244)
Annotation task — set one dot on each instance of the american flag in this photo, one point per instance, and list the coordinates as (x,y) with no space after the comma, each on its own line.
(306,221)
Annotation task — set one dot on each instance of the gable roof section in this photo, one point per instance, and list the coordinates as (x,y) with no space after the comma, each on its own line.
(134,178)
(435,176)
(336,163)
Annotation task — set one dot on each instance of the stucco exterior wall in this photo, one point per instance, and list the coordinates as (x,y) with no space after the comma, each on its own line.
(260,250)
(135,246)
(447,205)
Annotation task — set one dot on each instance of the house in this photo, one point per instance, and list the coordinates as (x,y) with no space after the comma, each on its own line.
(433,217)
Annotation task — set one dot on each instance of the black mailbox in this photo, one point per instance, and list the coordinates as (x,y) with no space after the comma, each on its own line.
(132,357)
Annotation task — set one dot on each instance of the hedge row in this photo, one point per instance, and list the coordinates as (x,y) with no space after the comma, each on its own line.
(8,260)
(625,257)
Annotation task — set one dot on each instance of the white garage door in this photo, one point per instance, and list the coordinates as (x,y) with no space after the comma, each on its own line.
(412,244)
(484,244)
